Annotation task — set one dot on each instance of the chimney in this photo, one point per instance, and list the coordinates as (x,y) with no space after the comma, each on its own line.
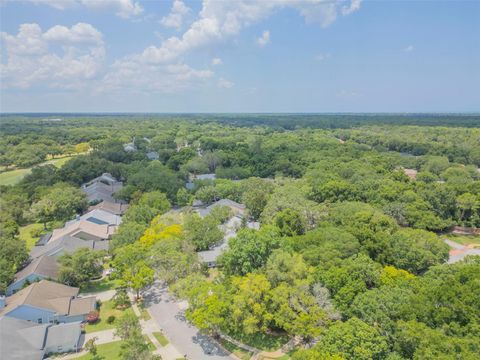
(2,301)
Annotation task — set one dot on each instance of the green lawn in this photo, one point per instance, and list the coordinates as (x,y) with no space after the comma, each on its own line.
(110,351)
(464,239)
(235,350)
(161,339)
(106,309)
(11,177)
(101,285)
(267,342)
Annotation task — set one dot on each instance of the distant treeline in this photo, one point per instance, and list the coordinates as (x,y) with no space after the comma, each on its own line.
(285,121)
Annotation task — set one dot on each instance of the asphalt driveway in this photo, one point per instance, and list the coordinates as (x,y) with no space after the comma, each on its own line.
(185,337)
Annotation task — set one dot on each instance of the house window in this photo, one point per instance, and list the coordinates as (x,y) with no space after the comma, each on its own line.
(59,348)
(40,320)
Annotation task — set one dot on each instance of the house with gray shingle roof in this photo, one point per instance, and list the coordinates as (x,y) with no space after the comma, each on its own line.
(44,267)
(26,340)
(102,188)
(48,302)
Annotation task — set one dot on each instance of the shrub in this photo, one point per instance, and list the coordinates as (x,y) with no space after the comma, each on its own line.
(110,319)
(92,317)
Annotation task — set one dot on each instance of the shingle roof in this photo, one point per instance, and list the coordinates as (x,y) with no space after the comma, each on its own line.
(46,266)
(49,295)
(116,208)
(97,216)
(236,207)
(26,340)
(101,231)
(80,306)
(61,334)
(66,244)
(21,340)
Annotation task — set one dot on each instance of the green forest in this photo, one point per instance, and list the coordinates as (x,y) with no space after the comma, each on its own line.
(349,261)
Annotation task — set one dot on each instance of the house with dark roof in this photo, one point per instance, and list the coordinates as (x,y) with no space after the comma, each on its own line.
(44,267)
(48,302)
(26,340)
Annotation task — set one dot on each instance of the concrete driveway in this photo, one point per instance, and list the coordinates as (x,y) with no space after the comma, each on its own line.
(185,337)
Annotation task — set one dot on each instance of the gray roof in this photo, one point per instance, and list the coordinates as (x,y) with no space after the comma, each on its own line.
(205,177)
(211,255)
(44,239)
(61,334)
(98,216)
(46,266)
(99,191)
(152,155)
(237,208)
(21,340)
(67,245)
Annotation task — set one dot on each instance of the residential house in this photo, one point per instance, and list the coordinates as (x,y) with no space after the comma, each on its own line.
(117,208)
(99,217)
(26,340)
(130,147)
(45,267)
(205,177)
(67,245)
(152,155)
(237,209)
(210,256)
(85,229)
(48,302)
(102,188)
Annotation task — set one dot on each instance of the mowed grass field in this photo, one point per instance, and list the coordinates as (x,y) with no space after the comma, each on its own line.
(12,177)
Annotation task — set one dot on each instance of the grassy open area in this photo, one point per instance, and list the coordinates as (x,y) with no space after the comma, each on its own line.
(11,177)
(235,350)
(267,342)
(161,339)
(100,285)
(110,351)
(464,239)
(106,309)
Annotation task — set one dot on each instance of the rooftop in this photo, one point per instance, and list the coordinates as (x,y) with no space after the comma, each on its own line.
(50,295)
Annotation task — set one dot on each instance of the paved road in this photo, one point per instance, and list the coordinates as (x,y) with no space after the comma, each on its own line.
(185,337)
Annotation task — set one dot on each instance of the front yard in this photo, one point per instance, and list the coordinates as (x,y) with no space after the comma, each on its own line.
(107,309)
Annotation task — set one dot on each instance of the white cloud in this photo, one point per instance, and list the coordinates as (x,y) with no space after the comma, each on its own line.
(132,75)
(32,61)
(409,48)
(217,61)
(264,39)
(56,4)
(354,6)
(321,57)
(219,20)
(347,94)
(225,84)
(75,57)
(177,14)
(122,8)
(79,33)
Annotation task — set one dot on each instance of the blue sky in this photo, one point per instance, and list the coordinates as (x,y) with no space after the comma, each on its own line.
(240,56)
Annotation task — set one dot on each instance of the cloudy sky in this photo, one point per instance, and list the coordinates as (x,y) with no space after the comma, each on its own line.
(239,56)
